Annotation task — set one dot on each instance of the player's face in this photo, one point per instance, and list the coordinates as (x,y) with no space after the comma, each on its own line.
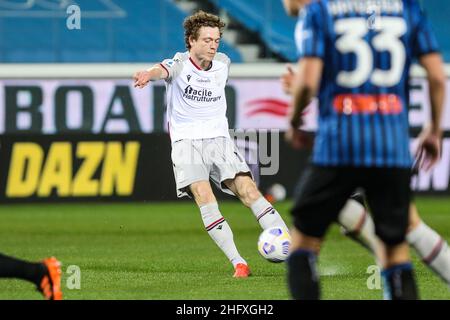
(205,47)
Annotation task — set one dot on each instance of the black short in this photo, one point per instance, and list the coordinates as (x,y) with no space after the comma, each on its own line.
(324,191)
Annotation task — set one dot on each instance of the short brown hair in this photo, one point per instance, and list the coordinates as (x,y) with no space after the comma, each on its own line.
(193,23)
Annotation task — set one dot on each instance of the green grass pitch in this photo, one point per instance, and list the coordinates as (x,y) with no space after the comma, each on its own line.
(161,251)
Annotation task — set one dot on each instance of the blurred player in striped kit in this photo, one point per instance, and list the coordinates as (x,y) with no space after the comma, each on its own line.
(356,222)
(361,61)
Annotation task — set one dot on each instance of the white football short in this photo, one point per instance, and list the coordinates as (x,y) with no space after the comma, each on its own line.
(215,159)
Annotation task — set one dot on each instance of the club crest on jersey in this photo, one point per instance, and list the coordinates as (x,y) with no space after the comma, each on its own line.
(188,77)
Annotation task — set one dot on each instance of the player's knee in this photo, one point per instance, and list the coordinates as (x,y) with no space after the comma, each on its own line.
(202,194)
(249,193)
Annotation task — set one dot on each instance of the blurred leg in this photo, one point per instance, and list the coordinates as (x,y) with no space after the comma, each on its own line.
(302,275)
(429,245)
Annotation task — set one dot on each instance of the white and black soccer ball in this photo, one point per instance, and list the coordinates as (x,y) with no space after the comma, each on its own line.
(274,243)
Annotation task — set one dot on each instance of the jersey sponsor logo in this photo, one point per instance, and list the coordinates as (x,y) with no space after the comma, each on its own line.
(367,104)
(83,169)
(202,95)
(203,80)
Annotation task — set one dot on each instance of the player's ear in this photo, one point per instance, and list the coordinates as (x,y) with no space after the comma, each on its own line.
(192,40)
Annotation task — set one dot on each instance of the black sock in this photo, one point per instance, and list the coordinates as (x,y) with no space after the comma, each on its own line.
(400,283)
(14,268)
(303,279)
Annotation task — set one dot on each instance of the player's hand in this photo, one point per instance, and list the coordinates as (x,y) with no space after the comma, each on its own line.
(141,78)
(299,139)
(429,149)
(287,80)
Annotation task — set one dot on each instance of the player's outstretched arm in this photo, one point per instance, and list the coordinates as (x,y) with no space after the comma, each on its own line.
(429,149)
(434,68)
(305,86)
(141,78)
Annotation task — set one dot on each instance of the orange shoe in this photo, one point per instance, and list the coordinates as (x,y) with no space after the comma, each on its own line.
(50,285)
(241,271)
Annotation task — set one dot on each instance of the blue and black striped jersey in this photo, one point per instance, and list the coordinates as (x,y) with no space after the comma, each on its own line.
(367,47)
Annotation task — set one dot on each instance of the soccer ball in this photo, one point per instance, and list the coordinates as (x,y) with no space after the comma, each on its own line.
(274,243)
(276,193)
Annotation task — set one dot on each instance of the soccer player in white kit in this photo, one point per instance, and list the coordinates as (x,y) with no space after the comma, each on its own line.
(202,149)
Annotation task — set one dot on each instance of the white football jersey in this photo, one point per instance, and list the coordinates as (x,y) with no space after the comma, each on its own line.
(196,104)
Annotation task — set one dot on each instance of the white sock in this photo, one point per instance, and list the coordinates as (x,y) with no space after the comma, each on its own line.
(355,219)
(432,248)
(266,215)
(220,232)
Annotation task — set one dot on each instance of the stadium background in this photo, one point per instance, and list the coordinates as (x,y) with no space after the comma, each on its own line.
(73,128)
